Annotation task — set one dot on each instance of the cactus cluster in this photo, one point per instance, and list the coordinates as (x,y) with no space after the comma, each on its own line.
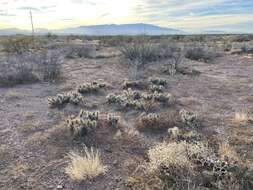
(210,162)
(189,118)
(75,98)
(156,96)
(58,100)
(83,123)
(158,81)
(157,88)
(90,87)
(132,94)
(128,99)
(94,116)
(61,99)
(113,120)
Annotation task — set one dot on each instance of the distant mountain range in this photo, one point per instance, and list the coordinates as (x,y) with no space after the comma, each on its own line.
(112,29)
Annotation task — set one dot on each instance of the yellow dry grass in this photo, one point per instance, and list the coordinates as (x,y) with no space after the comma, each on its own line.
(85,165)
(227,152)
(241,118)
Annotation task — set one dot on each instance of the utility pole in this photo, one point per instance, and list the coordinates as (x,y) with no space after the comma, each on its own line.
(31,16)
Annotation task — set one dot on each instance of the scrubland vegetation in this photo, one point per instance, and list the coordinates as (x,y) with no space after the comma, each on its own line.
(126,112)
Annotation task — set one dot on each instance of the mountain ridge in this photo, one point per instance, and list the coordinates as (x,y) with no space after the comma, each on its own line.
(104,29)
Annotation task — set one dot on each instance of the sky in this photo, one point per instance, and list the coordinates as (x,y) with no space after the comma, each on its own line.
(187,15)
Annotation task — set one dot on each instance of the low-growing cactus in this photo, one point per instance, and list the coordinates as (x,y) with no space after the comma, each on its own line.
(156,88)
(158,81)
(131,94)
(90,87)
(58,100)
(113,120)
(94,116)
(188,118)
(61,99)
(162,97)
(80,127)
(149,122)
(76,98)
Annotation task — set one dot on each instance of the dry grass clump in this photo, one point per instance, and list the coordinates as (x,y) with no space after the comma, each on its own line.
(226,152)
(85,165)
(241,118)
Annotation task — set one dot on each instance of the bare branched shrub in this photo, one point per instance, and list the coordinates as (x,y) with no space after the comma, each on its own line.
(30,67)
(81,51)
(247,49)
(17,69)
(49,65)
(85,165)
(201,54)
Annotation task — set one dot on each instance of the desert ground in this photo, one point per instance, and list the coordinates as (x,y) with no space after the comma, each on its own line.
(206,104)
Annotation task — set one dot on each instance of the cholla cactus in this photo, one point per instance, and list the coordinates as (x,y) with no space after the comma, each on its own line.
(90,87)
(58,100)
(189,118)
(147,96)
(158,81)
(113,120)
(80,127)
(75,98)
(162,97)
(116,99)
(131,94)
(93,116)
(135,104)
(156,88)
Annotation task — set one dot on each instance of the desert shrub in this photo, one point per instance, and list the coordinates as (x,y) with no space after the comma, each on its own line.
(140,53)
(49,65)
(134,85)
(85,165)
(81,51)
(113,120)
(247,49)
(158,81)
(200,54)
(17,70)
(157,122)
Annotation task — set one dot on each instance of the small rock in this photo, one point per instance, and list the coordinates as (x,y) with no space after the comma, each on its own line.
(59,187)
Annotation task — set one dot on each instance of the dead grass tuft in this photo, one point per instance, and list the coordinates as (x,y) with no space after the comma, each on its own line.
(226,152)
(241,118)
(86,165)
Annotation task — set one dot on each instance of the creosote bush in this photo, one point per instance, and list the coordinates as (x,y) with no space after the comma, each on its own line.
(79,51)
(85,165)
(30,67)
(201,54)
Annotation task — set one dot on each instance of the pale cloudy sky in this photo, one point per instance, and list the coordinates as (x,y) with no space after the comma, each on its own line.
(188,15)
